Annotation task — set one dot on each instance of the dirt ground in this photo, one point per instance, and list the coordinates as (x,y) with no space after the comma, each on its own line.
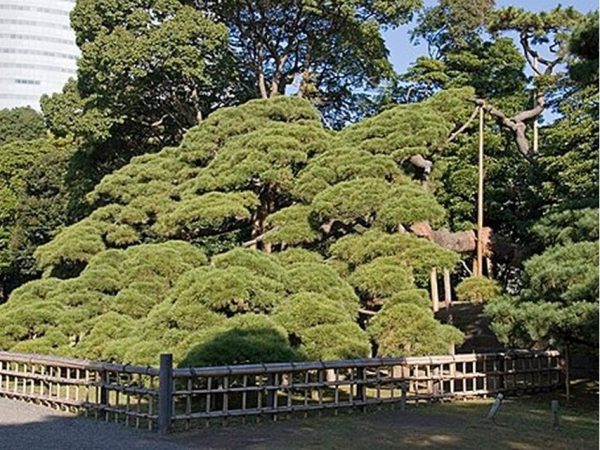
(522,423)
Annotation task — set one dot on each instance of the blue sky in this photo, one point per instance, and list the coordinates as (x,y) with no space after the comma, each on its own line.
(402,52)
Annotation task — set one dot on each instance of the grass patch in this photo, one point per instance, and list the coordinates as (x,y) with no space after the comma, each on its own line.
(522,423)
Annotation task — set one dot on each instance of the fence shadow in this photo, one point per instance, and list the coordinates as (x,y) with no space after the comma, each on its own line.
(24,426)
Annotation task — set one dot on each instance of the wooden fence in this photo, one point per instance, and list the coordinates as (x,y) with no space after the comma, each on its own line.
(103,390)
(170,398)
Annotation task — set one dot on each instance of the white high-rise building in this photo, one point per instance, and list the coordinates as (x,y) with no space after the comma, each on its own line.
(37,50)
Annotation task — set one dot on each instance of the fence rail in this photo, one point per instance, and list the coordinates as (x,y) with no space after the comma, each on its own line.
(171,398)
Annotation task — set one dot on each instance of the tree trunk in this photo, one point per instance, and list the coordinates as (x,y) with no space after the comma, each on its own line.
(262,85)
(266,207)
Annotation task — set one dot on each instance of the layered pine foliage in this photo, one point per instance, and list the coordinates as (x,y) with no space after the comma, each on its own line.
(258,239)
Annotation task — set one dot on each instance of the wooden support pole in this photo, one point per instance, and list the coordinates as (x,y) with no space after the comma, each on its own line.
(435,297)
(568,372)
(535,122)
(165,393)
(447,289)
(480,200)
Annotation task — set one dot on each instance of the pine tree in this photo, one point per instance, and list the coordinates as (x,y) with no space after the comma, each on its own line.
(262,227)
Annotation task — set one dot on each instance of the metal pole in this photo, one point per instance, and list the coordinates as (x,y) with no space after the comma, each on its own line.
(480,199)
(165,393)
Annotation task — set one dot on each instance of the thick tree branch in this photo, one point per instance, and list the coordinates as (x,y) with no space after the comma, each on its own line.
(367,312)
(260,74)
(421,163)
(258,239)
(515,124)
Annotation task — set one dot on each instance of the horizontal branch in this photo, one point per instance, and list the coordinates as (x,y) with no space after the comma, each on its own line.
(258,239)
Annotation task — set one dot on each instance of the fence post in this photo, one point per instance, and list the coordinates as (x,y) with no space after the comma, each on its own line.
(103,400)
(502,373)
(103,390)
(361,387)
(404,387)
(272,395)
(165,393)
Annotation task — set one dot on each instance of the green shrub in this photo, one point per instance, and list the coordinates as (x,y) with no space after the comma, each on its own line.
(477,289)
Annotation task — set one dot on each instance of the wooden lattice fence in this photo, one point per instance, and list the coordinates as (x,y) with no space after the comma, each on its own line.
(170,398)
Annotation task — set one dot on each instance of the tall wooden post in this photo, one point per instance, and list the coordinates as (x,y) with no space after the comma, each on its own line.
(535,122)
(447,289)
(435,297)
(480,200)
(165,393)
(568,372)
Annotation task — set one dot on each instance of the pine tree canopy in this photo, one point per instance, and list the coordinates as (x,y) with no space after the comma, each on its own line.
(250,181)
(261,218)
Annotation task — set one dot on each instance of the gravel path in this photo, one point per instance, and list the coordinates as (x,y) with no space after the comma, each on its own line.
(24,426)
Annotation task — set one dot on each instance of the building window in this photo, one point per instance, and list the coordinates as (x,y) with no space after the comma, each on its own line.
(22,81)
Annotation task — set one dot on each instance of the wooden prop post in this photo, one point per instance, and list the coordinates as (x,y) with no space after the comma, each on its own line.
(479,268)
(535,122)
(567,357)
(435,297)
(447,289)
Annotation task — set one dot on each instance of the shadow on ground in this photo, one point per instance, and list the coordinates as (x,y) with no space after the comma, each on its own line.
(24,426)
(522,423)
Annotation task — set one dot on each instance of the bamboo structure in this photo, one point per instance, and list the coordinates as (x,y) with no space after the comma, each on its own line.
(123,393)
(170,399)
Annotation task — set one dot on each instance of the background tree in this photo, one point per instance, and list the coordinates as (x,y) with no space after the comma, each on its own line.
(517,192)
(558,304)
(330,52)
(583,45)
(33,201)
(148,72)
(20,124)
